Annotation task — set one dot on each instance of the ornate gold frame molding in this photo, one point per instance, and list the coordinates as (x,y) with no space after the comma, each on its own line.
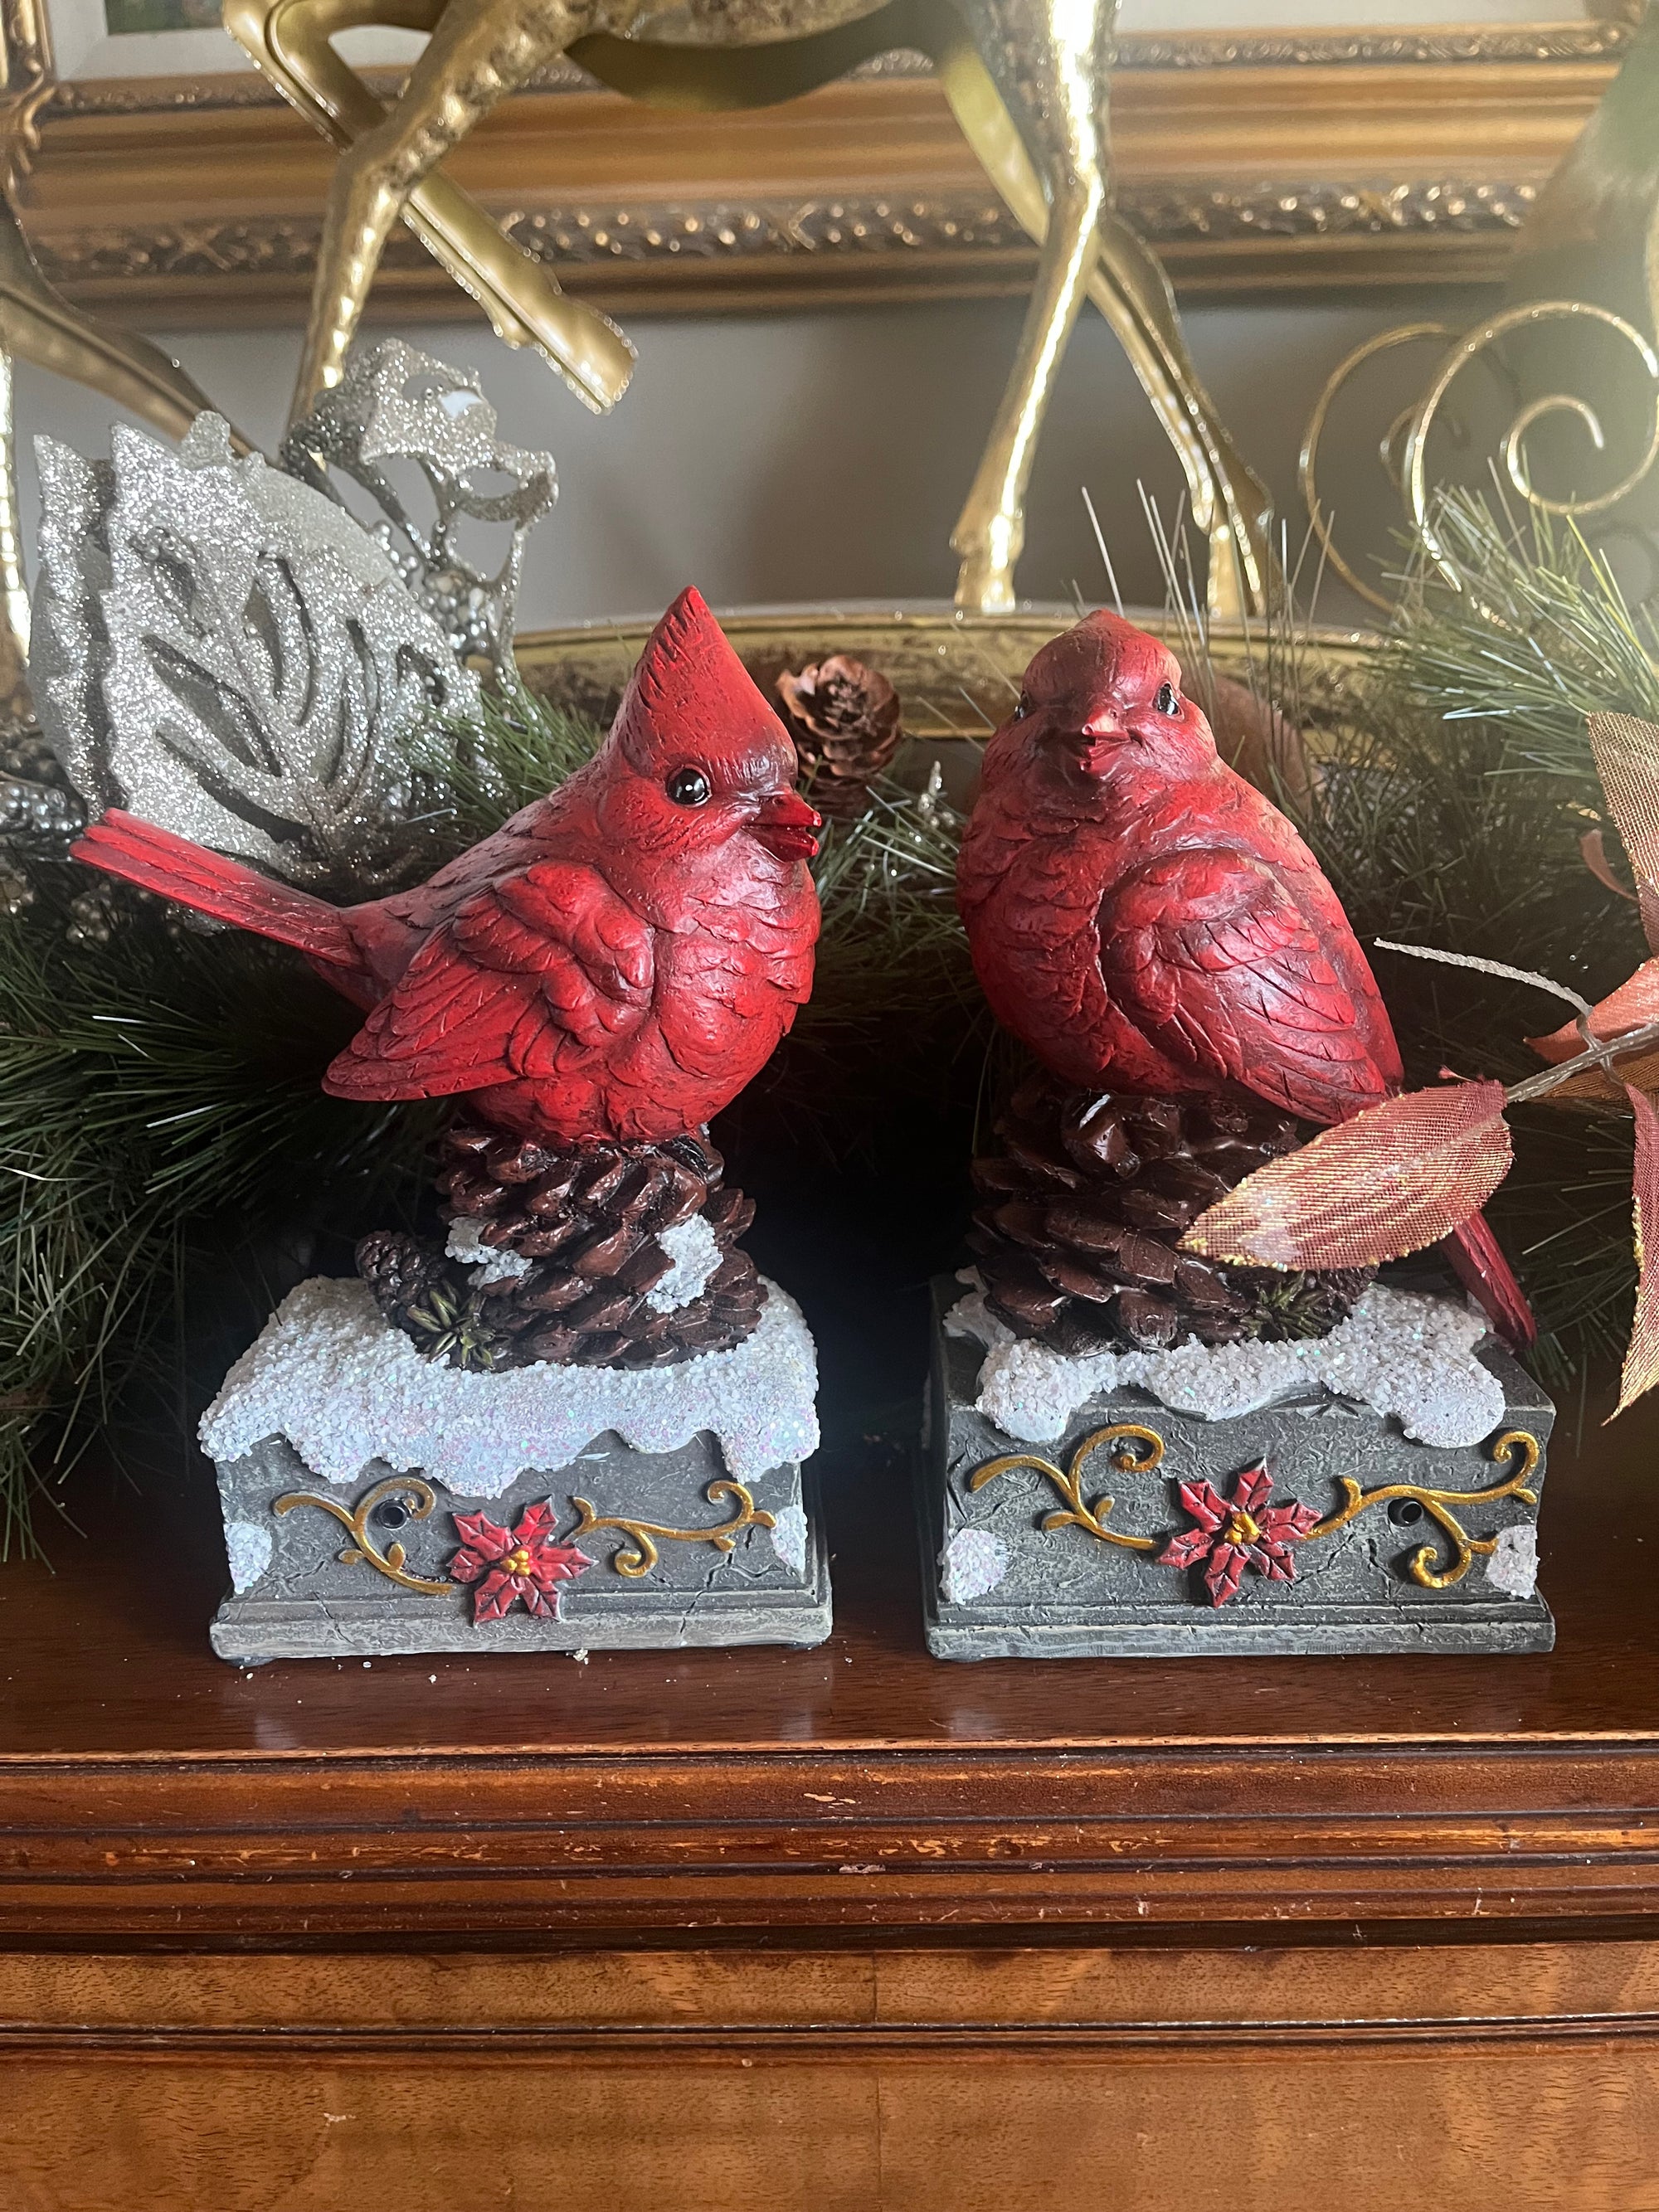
(1249,164)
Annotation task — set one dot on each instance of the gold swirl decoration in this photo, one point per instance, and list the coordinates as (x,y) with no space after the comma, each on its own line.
(1513,447)
(1515,1445)
(1319,518)
(1134,1450)
(638,1557)
(417,1499)
(1139,1450)
(1404,447)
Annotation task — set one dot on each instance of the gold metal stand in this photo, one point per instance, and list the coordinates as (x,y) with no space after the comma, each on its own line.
(1028,80)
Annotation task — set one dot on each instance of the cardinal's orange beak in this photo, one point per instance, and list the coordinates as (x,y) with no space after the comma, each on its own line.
(1099,741)
(788,826)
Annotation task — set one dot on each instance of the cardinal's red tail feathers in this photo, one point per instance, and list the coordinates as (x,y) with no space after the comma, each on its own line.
(158,861)
(1479,1261)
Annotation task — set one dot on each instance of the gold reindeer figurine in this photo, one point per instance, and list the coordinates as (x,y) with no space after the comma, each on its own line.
(1028,81)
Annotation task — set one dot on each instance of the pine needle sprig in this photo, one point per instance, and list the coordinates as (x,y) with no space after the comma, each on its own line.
(1537,635)
(1431,838)
(475,775)
(150,1089)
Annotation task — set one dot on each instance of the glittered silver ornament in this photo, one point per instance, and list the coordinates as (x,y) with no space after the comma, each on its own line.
(394,405)
(43,812)
(225,652)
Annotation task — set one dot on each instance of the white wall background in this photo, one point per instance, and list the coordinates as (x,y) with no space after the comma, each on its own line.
(825,456)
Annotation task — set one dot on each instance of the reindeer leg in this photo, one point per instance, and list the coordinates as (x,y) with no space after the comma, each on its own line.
(291,41)
(991,529)
(1051,63)
(479,51)
(1130,289)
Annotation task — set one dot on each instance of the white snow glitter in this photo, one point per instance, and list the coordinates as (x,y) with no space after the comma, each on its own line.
(789,1538)
(1399,1352)
(344,1387)
(249,1549)
(1513,1567)
(975,1562)
(495,1262)
(696,1252)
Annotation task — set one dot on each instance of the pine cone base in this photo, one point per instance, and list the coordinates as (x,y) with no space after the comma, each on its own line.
(570,1239)
(1080,1218)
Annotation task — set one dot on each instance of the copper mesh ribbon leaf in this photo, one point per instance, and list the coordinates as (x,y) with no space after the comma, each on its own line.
(1642,1358)
(1631,1006)
(1394,1178)
(1627,751)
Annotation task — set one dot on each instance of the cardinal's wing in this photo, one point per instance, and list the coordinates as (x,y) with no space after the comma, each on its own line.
(546,963)
(1209,954)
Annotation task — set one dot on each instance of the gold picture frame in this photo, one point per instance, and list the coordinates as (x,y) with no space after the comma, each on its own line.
(1251,163)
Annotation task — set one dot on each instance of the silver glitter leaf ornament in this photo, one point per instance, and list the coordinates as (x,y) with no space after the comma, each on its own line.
(396,405)
(226,653)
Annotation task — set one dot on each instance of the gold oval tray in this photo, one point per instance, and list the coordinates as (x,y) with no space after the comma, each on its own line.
(957,673)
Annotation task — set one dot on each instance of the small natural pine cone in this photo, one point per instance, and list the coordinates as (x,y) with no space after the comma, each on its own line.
(400,1271)
(846,723)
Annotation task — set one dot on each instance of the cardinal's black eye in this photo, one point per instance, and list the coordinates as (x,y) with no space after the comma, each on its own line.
(1167,700)
(689,786)
(1022,709)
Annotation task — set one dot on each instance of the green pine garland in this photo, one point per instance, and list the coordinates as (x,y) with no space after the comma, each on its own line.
(160,1091)
(157,1087)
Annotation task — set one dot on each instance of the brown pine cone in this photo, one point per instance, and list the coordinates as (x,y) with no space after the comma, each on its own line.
(1081,1217)
(844,721)
(577,1228)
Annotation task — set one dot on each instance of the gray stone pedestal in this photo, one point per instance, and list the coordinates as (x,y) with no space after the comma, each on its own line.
(681,1554)
(544,1508)
(1053,1549)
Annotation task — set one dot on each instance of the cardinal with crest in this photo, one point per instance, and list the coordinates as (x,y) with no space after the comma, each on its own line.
(617,961)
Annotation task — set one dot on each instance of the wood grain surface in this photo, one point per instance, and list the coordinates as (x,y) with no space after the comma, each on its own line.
(844,1930)
(1476,2076)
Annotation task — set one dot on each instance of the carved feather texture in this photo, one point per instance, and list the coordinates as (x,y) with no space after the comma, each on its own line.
(1146,921)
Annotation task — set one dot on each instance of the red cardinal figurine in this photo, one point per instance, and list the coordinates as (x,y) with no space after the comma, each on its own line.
(617,962)
(1146,921)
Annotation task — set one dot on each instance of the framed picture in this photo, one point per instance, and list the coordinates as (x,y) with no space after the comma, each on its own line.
(101,40)
(171,183)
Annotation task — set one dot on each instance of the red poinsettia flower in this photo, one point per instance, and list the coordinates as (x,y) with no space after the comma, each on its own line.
(1243,1532)
(523,1562)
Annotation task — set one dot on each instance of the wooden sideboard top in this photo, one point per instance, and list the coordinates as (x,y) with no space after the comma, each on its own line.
(146,1788)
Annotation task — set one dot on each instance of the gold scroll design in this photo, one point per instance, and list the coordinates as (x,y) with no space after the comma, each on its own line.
(638,1557)
(1139,1450)
(1517,1446)
(416,1496)
(1134,1450)
(1404,446)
